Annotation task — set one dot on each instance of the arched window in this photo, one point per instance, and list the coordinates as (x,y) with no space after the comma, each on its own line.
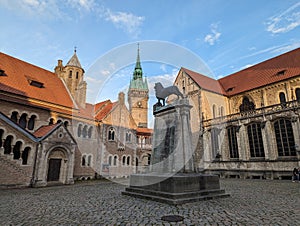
(136,162)
(282,98)
(31,122)
(17,150)
(247,105)
(221,111)
(23,120)
(297,91)
(214,109)
(66,123)
(14,117)
(232,140)
(25,155)
(84,131)
(89,160)
(111,134)
(70,74)
(110,160)
(255,140)
(284,137)
(128,160)
(183,87)
(90,131)
(83,160)
(115,160)
(51,121)
(123,160)
(7,144)
(58,121)
(79,130)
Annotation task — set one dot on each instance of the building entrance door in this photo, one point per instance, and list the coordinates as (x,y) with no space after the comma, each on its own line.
(54,169)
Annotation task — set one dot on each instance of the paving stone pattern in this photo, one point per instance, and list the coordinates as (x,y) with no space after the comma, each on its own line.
(252,202)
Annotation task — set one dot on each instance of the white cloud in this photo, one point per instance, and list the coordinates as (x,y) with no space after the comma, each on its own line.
(82,4)
(286,21)
(128,22)
(214,36)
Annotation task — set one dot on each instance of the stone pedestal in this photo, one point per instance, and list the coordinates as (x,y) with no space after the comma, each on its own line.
(173,178)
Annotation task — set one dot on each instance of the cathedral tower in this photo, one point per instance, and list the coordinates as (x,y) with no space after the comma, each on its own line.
(138,95)
(72,74)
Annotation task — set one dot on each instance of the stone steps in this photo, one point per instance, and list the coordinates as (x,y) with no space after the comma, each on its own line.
(175,198)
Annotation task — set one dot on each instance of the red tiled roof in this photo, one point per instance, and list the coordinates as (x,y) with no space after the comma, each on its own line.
(44,130)
(205,82)
(19,74)
(105,109)
(264,73)
(144,130)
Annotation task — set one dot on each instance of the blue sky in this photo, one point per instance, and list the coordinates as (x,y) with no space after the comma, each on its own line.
(226,35)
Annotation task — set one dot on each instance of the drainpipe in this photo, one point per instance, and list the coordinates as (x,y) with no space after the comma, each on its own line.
(34,166)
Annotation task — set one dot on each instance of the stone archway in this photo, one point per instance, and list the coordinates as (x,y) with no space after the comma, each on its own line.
(57,165)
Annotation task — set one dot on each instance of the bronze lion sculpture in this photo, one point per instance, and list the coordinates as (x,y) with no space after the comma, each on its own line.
(162,93)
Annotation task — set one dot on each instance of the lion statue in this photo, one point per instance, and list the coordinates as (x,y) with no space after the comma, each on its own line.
(162,93)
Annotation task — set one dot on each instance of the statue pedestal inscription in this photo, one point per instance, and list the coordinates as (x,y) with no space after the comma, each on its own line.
(173,178)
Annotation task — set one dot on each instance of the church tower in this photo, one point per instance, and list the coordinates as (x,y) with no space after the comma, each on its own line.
(72,74)
(138,95)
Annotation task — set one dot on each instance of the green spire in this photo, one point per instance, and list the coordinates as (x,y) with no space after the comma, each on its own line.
(138,72)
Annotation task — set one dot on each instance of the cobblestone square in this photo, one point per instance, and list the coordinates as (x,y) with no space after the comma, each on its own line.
(252,202)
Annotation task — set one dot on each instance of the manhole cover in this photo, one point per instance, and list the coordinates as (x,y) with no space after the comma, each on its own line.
(172,218)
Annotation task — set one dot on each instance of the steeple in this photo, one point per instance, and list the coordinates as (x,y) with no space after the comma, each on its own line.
(74,60)
(138,72)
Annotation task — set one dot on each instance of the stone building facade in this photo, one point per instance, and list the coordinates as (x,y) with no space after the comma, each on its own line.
(246,124)
(49,134)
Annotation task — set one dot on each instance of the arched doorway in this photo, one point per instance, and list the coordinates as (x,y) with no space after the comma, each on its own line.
(56,165)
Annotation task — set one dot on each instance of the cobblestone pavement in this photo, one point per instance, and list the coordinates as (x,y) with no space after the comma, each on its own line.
(252,202)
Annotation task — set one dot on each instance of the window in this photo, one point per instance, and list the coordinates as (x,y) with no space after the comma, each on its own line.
(232,140)
(77,74)
(297,91)
(84,131)
(123,160)
(31,122)
(90,131)
(128,160)
(215,141)
(284,137)
(128,136)
(14,117)
(7,144)
(111,134)
(70,74)
(66,123)
(149,159)
(115,160)
(110,160)
(255,140)
(23,120)
(89,160)
(17,150)
(221,111)
(183,87)
(79,130)
(83,160)
(282,99)
(214,109)
(36,84)
(25,155)
(51,121)
(2,73)
(247,105)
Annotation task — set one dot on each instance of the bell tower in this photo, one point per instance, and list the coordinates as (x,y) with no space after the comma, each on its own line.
(138,95)
(72,74)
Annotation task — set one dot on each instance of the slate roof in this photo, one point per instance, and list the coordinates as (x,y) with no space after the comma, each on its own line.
(74,61)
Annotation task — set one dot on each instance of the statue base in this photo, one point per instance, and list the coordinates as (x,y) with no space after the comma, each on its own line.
(175,189)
